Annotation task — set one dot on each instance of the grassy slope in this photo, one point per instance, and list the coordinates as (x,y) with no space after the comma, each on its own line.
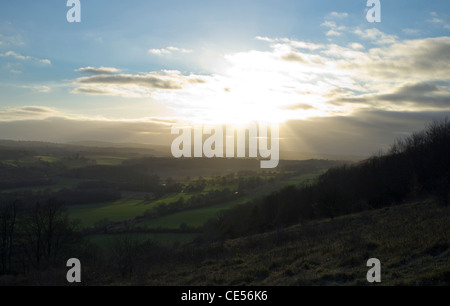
(165,239)
(119,210)
(412,241)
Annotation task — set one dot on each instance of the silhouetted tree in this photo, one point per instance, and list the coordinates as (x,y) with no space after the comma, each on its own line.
(46,230)
(8,214)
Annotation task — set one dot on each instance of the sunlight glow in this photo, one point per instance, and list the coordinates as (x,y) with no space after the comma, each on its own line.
(259,86)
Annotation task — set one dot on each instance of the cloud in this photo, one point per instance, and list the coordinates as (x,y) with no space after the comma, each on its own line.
(411,32)
(333,79)
(94,91)
(300,106)
(295,79)
(263,38)
(339,15)
(363,133)
(438,21)
(293,57)
(333,33)
(159,51)
(168,50)
(357,46)
(419,96)
(100,70)
(104,81)
(38,88)
(36,109)
(145,80)
(334,28)
(421,59)
(24,58)
(292,43)
(330,24)
(27,113)
(11,40)
(426,95)
(376,36)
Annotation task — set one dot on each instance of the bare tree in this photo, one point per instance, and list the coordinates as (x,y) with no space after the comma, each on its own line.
(47,228)
(8,214)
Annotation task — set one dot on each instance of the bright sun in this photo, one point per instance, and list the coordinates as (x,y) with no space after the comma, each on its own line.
(254,87)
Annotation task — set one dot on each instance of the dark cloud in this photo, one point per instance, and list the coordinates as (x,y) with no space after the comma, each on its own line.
(422,58)
(100,70)
(92,91)
(419,95)
(25,113)
(300,106)
(103,81)
(36,109)
(422,94)
(148,81)
(362,134)
(196,81)
(293,57)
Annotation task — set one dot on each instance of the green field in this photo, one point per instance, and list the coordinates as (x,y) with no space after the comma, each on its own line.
(198,217)
(48,159)
(127,209)
(119,210)
(23,162)
(193,218)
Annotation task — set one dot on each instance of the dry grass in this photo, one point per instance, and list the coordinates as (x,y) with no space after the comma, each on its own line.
(412,241)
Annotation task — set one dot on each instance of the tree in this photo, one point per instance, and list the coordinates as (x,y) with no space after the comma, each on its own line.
(47,229)
(124,250)
(8,214)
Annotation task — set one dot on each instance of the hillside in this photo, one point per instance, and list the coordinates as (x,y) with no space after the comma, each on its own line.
(412,242)
(416,167)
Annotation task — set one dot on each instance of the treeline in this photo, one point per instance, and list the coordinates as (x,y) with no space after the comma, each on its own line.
(17,177)
(131,178)
(307,166)
(418,166)
(37,240)
(76,196)
(11,153)
(34,237)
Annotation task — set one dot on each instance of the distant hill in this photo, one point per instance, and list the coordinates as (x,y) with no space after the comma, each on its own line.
(294,155)
(86,146)
(156,150)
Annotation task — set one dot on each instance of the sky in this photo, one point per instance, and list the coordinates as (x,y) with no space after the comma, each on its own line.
(335,82)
